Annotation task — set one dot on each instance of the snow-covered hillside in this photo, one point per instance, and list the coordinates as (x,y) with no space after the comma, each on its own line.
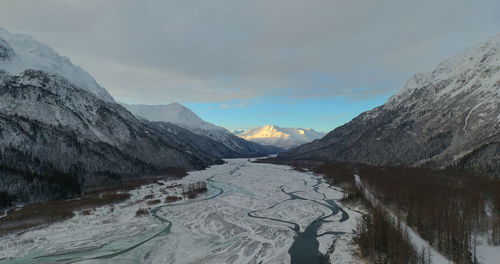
(447,117)
(19,52)
(182,116)
(61,133)
(68,140)
(178,114)
(281,136)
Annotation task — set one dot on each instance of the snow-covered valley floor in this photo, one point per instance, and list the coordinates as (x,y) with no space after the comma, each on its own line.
(252,213)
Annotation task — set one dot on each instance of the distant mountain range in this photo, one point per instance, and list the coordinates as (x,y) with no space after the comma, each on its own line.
(447,117)
(182,116)
(61,133)
(282,137)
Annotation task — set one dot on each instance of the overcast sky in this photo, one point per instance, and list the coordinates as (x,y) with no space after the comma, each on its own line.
(269,58)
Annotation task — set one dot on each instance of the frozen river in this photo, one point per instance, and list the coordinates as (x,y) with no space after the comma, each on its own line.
(252,213)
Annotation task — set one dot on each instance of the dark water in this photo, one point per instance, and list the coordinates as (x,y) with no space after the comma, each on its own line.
(305,248)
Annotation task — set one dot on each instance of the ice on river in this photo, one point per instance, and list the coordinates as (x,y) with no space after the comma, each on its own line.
(252,213)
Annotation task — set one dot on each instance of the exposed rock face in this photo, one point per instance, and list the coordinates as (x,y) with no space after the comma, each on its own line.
(450,116)
(282,137)
(182,116)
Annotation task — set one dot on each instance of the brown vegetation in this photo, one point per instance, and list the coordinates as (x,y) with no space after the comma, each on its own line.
(382,240)
(142,212)
(446,207)
(341,175)
(87,212)
(171,199)
(45,213)
(338,174)
(122,187)
(153,202)
(192,190)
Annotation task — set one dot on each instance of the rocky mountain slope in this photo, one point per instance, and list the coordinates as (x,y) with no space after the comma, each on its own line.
(57,139)
(19,52)
(182,116)
(61,133)
(447,117)
(282,137)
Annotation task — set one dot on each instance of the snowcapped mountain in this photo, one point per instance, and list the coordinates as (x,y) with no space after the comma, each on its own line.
(447,117)
(61,133)
(182,116)
(282,137)
(57,140)
(174,113)
(19,52)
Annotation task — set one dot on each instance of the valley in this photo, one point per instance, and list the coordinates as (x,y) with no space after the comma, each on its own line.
(251,213)
(228,132)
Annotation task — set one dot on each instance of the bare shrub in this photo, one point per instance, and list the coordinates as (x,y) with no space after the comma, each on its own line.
(86,212)
(446,207)
(381,240)
(45,213)
(141,212)
(153,202)
(171,199)
(192,190)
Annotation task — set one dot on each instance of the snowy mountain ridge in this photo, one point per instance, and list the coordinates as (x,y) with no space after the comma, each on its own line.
(447,117)
(476,67)
(62,134)
(174,113)
(281,136)
(68,140)
(19,52)
(182,116)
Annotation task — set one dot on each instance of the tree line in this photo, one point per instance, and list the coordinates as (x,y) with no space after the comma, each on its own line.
(449,208)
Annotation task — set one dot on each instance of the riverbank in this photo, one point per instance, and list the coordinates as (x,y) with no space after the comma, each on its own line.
(251,213)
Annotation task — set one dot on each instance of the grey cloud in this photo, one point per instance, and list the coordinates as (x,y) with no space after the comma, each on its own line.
(175,50)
